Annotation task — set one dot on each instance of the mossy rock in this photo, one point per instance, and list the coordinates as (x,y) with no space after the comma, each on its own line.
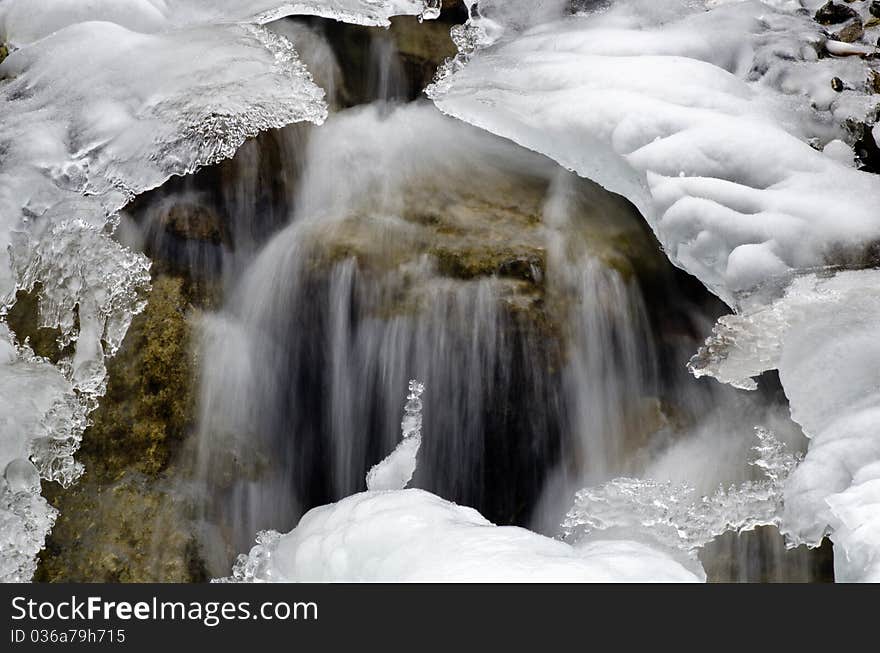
(23,318)
(131,530)
(471,263)
(148,405)
(122,521)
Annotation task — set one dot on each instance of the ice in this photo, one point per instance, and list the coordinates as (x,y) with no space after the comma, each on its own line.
(673,516)
(414,536)
(820,333)
(396,471)
(25,21)
(702,118)
(25,519)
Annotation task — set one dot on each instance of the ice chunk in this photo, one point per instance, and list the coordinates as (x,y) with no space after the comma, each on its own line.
(396,471)
(820,333)
(25,519)
(415,536)
(255,567)
(673,516)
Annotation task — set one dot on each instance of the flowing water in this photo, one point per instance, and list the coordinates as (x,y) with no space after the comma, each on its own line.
(393,243)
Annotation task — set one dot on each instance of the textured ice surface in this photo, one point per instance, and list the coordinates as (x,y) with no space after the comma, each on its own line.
(101,101)
(36,401)
(821,335)
(396,471)
(25,21)
(673,516)
(701,118)
(415,536)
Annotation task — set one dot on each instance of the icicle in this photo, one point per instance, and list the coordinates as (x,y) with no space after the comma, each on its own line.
(396,471)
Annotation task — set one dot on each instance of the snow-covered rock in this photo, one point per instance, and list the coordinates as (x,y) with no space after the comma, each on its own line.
(415,536)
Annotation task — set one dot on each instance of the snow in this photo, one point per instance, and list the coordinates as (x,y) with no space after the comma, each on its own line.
(25,21)
(700,118)
(415,536)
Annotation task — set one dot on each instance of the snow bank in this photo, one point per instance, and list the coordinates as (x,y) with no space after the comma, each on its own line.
(415,536)
(699,117)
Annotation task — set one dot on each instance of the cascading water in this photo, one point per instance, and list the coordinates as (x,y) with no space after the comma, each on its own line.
(548,328)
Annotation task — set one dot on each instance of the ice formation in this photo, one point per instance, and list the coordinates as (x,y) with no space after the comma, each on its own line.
(25,21)
(821,336)
(396,471)
(102,101)
(672,515)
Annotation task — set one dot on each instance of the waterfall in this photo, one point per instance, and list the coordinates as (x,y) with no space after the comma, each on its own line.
(394,243)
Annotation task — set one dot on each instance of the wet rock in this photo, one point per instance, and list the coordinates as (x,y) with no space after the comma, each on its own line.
(873,81)
(755,557)
(23,319)
(851,32)
(833,13)
(194,222)
(423,47)
(415,51)
(864,144)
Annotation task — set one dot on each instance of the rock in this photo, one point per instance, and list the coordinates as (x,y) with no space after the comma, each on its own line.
(833,13)
(724,561)
(422,47)
(124,520)
(851,32)
(24,320)
(873,81)
(416,50)
(4,52)
(874,8)
(194,222)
